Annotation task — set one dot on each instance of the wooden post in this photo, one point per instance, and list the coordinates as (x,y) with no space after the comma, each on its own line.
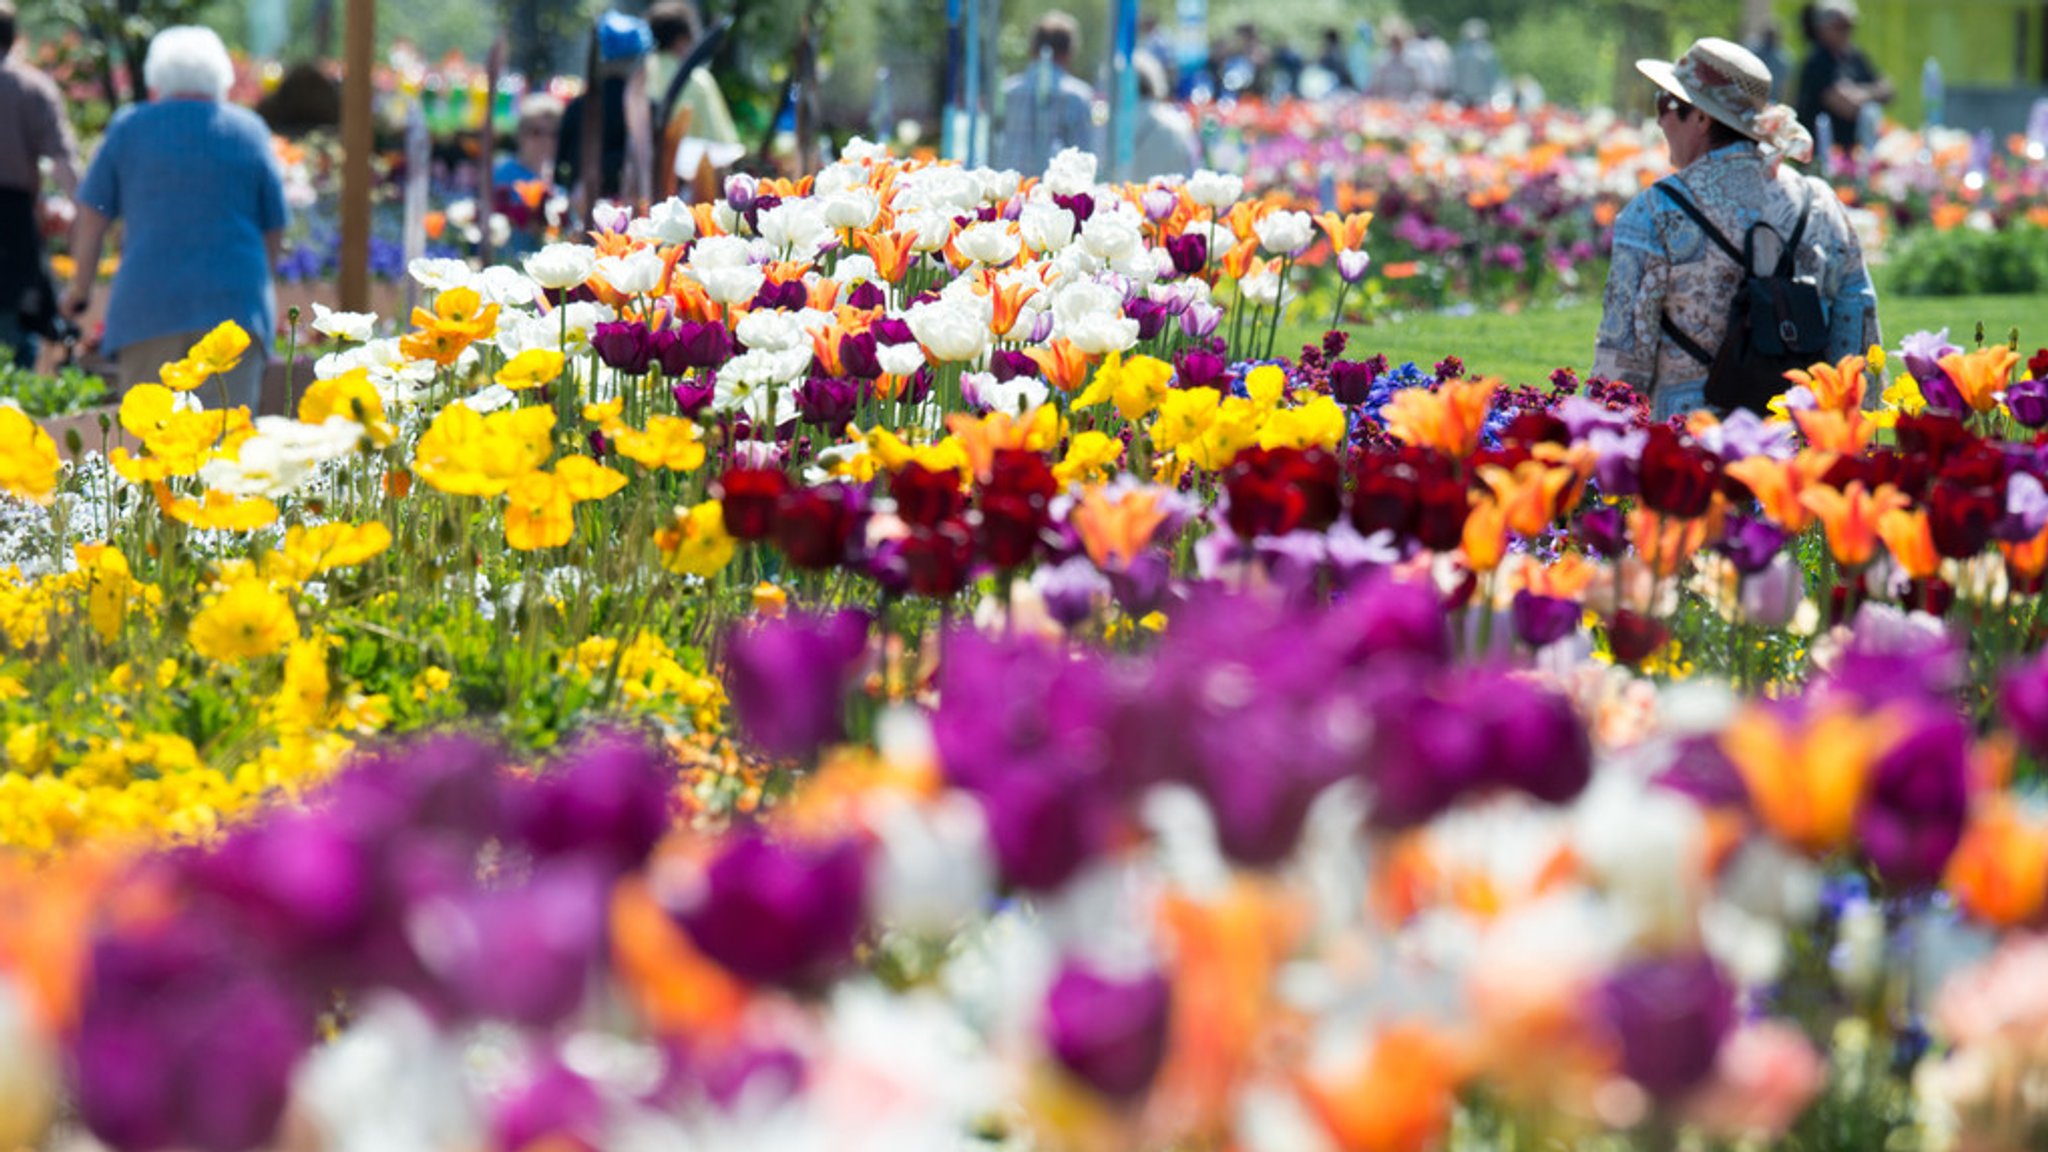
(357,141)
(486,189)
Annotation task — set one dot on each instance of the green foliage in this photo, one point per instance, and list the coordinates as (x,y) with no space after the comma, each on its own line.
(1965,261)
(70,390)
(1554,46)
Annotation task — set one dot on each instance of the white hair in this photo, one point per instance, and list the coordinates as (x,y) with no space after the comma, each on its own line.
(188,61)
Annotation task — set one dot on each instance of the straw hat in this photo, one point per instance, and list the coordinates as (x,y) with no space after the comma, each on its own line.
(1719,77)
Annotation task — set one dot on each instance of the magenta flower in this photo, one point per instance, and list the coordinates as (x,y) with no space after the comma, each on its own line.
(1108,1032)
(788,680)
(780,913)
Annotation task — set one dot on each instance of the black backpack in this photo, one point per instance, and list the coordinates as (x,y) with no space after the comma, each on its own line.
(1776,322)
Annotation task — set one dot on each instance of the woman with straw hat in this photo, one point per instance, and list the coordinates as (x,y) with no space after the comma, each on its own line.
(1671,281)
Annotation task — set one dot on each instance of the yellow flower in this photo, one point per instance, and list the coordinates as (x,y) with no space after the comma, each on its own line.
(28,458)
(539,512)
(112,582)
(431,682)
(1089,456)
(670,442)
(1904,395)
(1317,424)
(1136,386)
(219,511)
(1235,428)
(182,375)
(695,543)
(530,369)
(459,319)
(1265,385)
(337,544)
(219,350)
(1184,416)
(586,479)
(247,622)
(301,700)
(467,453)
(352,397)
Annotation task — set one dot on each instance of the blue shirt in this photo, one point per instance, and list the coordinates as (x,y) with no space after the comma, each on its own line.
(197,187)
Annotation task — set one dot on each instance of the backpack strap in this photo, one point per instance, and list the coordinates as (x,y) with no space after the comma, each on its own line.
(1787,258)
(1700,218)
(1686,344)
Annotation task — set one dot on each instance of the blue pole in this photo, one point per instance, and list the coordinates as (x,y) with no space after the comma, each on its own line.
(1124,116)
(949,142)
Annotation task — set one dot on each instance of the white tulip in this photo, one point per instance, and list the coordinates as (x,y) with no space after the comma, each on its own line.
(1285,233)
(559,266)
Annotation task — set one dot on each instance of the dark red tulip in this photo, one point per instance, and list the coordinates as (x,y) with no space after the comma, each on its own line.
(749,497)
(1677,478)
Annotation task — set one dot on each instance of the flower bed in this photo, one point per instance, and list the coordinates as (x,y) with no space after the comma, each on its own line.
(1140,739)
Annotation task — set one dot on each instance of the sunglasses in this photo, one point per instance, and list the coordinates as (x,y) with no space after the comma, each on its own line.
(1668,104)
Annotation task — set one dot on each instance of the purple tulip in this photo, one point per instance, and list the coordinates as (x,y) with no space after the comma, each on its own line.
(1538,744)
(1771,598)
(298,882)
(1071,590)
(827,402)
(1351,381)
(857,355)
(892,330)
(1669,1016)
(183,1042)
(606,801)
(2028,401)
(866,296)
(1541,621)
(626,345)
(1007,364)
(1603,532)
(1392,620)
(1702,771)
(694,395)
(785,296)
(1198,369)
(696,344)
(1200,320)
(555,1108)
(1189,252)
(1424,756)
(1941,393)
(1918,799)
(786,914)
(788,680)
(1141,585)
(1081,204)
(1149,315)
(554,925)
(2023,702)
(1110,1033)
(1751,543)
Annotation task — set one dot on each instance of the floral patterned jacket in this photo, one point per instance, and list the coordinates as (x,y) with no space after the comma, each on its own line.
(1663,264)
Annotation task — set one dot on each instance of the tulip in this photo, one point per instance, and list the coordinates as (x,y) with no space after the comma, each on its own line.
(2023,703)
(696,344)
(788,680)
(606,801)
(1669,1017)
(554,1108)
(1916,803)
(1351,381)
(1109,1032)
(554,926)
(1751,544)
(1189,252)
(750,498)
(1771,598)
(1677,478)
(786,914)
(2028,403)
(624,344)
(694,395)
(1541,621)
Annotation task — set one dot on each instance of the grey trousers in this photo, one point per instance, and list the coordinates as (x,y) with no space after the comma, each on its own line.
(143,362)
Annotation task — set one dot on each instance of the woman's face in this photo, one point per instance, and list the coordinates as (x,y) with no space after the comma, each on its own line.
(1685,129)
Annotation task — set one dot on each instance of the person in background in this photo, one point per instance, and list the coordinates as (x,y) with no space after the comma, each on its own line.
(1335,61)
(1841,95)
(197,187)
(1769,47)
(700,138)
(533,142)
(1395,74)
(1432,59)
(1475,66)
(625,156)
(32,129)
(1046,108)
(1670,285)
(1163,142)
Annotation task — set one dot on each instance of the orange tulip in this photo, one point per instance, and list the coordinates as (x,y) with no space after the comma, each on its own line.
(1805,776)
(1850,517)
(1065,366)
(1911,542)
(1778,483)
(680,991)
(1999,873)
(1846,433)
(1399,1100)
(1448,419)
(891,252)
(1531,496)
(1238,262)
(1346,233)
(1486,535)
(1981,375)
(1666,542)
(1009,301)
(1115,533)
(1835,387)
(2027,559)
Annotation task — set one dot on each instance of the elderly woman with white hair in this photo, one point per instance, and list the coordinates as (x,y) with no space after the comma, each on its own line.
(198,191)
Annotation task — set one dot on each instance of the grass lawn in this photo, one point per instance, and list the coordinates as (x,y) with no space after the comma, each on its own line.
(1525,347)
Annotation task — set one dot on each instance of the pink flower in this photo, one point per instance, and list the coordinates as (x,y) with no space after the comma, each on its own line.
(1764,1077)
